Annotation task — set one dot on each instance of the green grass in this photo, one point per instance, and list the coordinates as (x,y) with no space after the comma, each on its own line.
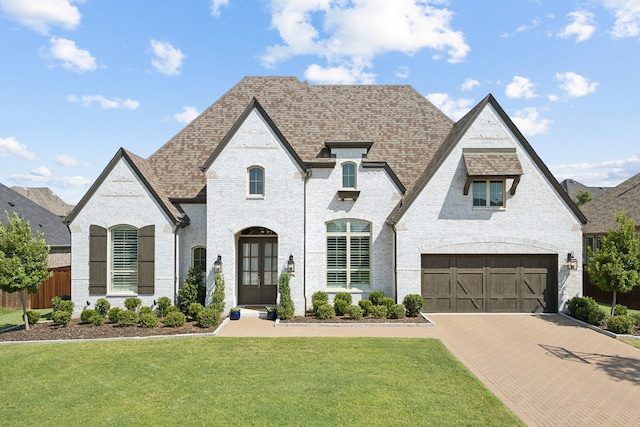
(10,318)
(607,309)
(633,342)
(244,382)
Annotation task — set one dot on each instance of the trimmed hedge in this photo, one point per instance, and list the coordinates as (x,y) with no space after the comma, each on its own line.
(397,311)
(148,320)
(620,324)
(325,312)
(208,318)
(586,309)
(174,319)
(33,317)
(366,306)
(102,306)
(413,303)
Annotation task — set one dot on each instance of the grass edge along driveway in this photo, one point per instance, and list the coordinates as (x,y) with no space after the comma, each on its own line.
(244,381)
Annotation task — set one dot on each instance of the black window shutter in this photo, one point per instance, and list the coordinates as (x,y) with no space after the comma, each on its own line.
(146,260)
(97,260)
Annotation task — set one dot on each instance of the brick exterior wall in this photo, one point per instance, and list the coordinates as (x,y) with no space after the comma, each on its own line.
(443,221)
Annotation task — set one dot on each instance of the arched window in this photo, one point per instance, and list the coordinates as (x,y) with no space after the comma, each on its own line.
(348,175)
(349,254)
(199,258)
(256,181)
(124,259)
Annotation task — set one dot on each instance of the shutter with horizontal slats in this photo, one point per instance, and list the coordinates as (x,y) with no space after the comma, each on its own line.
(146,260)
(97,260)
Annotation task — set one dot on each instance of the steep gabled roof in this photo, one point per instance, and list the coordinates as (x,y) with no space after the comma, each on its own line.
(600,211)
(55,231)
(147,176)
(455,135)
(46,198)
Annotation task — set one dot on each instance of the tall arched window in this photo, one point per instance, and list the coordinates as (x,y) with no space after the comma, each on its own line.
(348,175)
(256,181)
(124,259)
(349,254)
(199,258)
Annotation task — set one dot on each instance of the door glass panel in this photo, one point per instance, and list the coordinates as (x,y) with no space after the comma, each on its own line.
(250,264)
(270,263)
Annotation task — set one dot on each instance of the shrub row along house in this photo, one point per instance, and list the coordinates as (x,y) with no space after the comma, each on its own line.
(353,188)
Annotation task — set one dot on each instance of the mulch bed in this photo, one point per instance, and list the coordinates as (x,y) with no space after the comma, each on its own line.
(77,330)
(344,319)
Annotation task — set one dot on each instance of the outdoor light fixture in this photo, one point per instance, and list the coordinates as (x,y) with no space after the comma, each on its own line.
(572,262)
(291,266)
(217,266)
(88,303)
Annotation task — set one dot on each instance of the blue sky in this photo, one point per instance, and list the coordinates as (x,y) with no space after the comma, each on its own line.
(81,78)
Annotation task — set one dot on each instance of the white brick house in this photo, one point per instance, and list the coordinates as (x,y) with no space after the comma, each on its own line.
(363,187)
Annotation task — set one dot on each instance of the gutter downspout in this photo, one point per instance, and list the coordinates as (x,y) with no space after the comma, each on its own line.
(307,175)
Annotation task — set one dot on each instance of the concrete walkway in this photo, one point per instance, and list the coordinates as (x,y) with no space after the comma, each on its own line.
(547,369)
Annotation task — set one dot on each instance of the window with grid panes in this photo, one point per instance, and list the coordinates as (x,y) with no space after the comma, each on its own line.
(124,259)
(349,254)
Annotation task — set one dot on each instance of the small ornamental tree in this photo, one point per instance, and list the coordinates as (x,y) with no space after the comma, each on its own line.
(23,259)
(217,296)
(615,267)
(189,290)
(286,308)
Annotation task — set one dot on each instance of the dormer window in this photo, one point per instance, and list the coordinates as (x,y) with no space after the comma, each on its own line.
(256,181)
(348,175)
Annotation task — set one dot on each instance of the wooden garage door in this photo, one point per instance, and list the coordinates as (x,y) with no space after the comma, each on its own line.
(490,283)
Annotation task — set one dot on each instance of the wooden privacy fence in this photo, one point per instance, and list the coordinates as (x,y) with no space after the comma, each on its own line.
(58,285)
(630,299)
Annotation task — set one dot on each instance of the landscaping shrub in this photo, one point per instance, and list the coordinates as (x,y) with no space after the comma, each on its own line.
(114,314)
(376,296)
(379,311)
(65,305)
(619,324)
(189,291)
(145,310)
(33,317)
(397,311)
(172,309)
(61,317)
(354,312)
(620,310)
(163,304)
(341,306)
(174,319)
(103,306)
(319,298)
(366,306)
(194,309)
(55,302)
(387,302)
(127,318)
(87,314)
(286,309)
(132,303)
(636,319)
(96,320)
(343,296)
(586,309)
(325,312)
(217,296)
(413,303)
(207,317)
(148,319)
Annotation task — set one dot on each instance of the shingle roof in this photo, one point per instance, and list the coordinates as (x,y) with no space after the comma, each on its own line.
(600,211)
(572,187)
(55,231)
(46,198)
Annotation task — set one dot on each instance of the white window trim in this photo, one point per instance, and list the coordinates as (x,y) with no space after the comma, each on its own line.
(487,187)
(110,269)
(264,183)
(348,234)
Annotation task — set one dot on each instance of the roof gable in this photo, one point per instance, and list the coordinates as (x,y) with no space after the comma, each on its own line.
(600,211)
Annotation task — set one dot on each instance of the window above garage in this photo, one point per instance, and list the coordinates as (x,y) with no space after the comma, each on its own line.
(491,165)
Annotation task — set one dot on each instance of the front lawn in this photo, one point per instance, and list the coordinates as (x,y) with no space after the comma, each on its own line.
(607,309)
(9,318)
(241,382)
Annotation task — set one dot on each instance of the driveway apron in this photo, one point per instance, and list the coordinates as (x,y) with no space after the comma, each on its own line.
(548,369)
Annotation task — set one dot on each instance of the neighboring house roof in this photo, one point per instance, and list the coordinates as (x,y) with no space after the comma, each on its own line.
(55,231)
(46,198)
(600,211)
(572,187)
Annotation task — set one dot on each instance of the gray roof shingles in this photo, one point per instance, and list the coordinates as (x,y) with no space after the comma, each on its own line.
(600,211)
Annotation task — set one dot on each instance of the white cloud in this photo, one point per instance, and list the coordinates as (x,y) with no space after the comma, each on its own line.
(51,181)
(340,75)
(534,23)
(66,160)
(41,171)
(606,174)
(627,13)
(520,87)
(582,26)
(188,114)
(402,72)
(350,34)
(168,59)
(469,84)
(72,58)
(575,85)
(107,104)
(216,5)
(11,147)
(40,15)
(553,97)
(529,122)
(454,108)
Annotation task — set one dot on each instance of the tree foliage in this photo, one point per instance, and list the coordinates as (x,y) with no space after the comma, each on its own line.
(582,197)
(286,308)
(189,291)
(615,267)
(23,259)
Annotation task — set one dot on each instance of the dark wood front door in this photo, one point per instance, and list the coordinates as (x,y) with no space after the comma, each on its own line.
(257,270)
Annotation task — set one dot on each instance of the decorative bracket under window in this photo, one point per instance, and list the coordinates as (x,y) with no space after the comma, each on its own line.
(348,195)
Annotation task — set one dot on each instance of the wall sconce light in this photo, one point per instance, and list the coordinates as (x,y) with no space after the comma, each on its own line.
(88,303)
(291,266)
(572,262)
(217,266)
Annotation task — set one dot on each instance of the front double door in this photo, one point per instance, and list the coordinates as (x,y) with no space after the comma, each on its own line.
(258,270)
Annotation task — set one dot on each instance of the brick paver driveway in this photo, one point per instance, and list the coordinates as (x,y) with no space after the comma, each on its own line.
(548,369)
